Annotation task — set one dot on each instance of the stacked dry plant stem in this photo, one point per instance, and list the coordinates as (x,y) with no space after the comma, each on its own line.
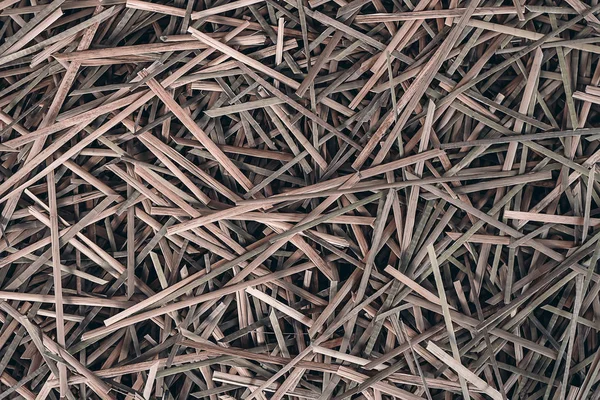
(291,199)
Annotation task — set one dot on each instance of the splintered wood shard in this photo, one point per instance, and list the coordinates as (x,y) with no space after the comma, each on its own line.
(289,199)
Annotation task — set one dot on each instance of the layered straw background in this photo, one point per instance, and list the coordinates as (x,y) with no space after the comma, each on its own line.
(292,199)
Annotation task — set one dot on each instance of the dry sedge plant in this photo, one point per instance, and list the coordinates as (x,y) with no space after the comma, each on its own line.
(299,199)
